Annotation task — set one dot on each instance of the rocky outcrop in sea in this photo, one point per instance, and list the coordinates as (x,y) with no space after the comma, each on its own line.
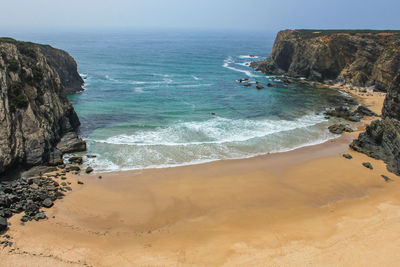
(360,58)
(37,121)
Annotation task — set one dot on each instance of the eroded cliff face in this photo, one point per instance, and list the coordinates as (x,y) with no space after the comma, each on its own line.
(361,58)
(66,68)
(37,122)
(381,140)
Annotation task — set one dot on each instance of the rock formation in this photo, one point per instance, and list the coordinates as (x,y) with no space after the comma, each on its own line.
(381,140)
(35,114)
(361,58)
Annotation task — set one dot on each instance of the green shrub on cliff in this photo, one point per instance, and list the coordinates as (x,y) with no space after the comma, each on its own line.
(13,64)
(363,43)
(18,101)
(26,49)
(37,74)
(16,98)
(390,52)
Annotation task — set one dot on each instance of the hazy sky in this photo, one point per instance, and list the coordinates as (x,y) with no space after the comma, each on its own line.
(200,14)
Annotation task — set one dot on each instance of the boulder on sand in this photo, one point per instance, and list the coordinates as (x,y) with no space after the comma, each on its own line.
(339,128)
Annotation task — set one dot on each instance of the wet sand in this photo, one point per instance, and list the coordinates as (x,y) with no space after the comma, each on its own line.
(306,207)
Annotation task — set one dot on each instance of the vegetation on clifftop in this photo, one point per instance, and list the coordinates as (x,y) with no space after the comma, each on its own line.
(310,33)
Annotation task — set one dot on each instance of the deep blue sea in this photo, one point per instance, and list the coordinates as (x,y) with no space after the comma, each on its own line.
(149,96)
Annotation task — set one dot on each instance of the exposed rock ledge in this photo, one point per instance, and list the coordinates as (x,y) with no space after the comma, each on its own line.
(37,122)
(360,58)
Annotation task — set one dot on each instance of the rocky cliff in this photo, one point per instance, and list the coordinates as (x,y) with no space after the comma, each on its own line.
(361,58)
(381,140)
(37,122)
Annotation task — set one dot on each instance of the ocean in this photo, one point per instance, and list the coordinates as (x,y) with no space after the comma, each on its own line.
(169,98)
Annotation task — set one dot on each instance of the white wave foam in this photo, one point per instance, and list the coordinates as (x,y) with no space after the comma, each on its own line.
(245,64)
(196,78)
(227,65)
(247,56)
(105,165)
(214,131)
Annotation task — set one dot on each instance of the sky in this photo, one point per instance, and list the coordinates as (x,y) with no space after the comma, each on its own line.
(200,14)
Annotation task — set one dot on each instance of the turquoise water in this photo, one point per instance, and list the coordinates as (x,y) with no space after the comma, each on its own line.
(149,98)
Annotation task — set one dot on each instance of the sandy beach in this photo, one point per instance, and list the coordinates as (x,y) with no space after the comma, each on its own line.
(307,207)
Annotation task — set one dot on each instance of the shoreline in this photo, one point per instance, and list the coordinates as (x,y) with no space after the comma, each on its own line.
(253,211)
(371,99)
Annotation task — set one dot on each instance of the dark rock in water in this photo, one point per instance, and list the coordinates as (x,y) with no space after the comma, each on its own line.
(365,111)
(347,156)
(48,203)
(270,85)
(339,128)
(387,179)
(91,156)
(247,85)
(213,114)
(368,165)
(381,140)
(259,87)
(243,80)
(89,169)
(3,224)
(77,160)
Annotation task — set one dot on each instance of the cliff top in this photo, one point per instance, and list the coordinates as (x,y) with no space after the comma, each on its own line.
(60,60)
(22,43)
(312,33)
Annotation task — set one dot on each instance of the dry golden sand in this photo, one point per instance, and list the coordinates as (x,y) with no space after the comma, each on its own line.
(308,207)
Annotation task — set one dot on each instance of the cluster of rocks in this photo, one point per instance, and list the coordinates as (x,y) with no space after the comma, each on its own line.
(30,194)
(368,165)
(282,80)
(345,112)
(79,160)
(381,139)
(6,241)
